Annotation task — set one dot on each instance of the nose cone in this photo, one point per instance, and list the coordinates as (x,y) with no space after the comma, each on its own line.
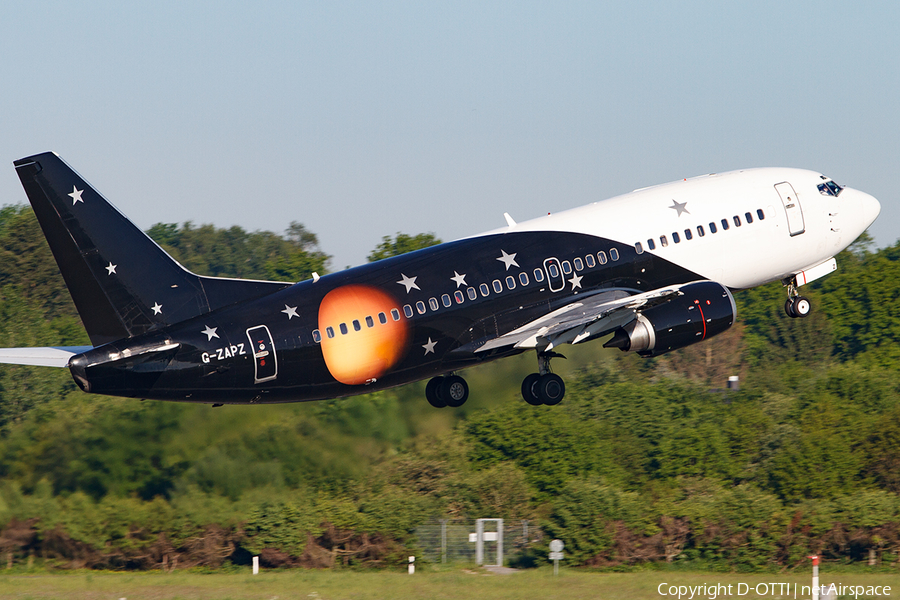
(870,208)
(863,210)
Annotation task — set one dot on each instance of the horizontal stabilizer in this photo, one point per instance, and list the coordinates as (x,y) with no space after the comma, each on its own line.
(41,357)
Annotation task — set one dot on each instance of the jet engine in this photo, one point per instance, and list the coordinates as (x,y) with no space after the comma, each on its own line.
(700,310)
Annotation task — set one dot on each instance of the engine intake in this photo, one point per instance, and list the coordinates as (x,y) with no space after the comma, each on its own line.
(702,310)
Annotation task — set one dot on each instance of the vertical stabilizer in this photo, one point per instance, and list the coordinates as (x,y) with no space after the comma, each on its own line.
(122,282)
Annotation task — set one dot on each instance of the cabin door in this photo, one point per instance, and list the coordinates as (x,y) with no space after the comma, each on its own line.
(791,208)
(264,359)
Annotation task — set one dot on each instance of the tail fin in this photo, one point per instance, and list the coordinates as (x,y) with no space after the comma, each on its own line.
(122,282)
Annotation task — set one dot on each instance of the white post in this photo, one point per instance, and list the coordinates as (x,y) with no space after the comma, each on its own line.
(256,565)
(443,540)
(479,542)
(412,565)
(499,542)
(815,578)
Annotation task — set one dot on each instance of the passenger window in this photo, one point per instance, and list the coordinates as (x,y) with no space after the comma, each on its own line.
(511,282)
(567,267)
(601,256)
(760,214)
(370,322)
(498,287)
(356,325)
(472,293)
(737,221)
(344,330)
(578,263)
(329,331)
(485,290)
(663,241)
(420,307)
(458,295)
(382,318)
(395,314)
(748,217)
(676,238)
(638,248)
(523,278)
(445,300)
(433,303)
(700,231)
(651,245)
(688,235)
(407,310)
(614,253)
(539,275)
(589,259)
(712,227)
(317,337)
(554,272)
(724,224)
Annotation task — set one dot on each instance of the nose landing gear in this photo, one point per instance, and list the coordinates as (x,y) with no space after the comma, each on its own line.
(544,387)
(797,306)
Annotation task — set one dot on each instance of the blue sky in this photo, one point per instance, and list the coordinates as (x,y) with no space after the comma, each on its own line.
(361,119)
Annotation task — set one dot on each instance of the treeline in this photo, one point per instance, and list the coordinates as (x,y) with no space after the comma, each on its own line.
(645,462)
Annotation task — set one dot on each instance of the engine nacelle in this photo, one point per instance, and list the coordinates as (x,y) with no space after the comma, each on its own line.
(700,311)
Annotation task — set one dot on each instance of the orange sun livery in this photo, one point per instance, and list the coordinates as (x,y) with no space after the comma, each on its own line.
(364,354)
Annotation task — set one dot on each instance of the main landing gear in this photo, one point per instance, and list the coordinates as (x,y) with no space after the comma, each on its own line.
(797,306)
(544,387)
(451,390)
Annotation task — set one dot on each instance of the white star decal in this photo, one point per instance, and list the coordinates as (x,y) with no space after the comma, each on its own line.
(508,259)
(680,207)
(110,268)
(157,308)
(290,311)
(409,282)
(429,347)
(210,332)
(76,196)
(576,281)
(459,279)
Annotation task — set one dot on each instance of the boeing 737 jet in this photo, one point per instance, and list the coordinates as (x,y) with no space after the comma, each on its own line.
(651,271)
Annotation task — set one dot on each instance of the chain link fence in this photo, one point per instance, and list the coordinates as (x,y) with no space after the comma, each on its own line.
(453,540)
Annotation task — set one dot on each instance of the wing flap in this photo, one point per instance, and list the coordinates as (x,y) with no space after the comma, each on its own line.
(581,320)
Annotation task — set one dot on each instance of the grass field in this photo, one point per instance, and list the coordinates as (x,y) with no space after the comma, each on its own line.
(460,583)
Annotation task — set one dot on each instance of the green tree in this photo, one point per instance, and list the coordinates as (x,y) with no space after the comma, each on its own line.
(401,244)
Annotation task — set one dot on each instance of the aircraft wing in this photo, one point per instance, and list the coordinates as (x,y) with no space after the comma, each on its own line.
(588,317)
(41,357)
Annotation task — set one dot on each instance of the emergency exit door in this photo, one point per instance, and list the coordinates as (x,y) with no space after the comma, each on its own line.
(265,363)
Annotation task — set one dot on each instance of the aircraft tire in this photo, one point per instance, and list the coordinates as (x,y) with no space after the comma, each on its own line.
(551,389)
(433,392)
(802,307)
(454,390)
(529,389)
(789,308)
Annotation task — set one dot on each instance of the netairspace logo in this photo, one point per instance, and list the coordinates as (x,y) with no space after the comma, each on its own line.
(776,590)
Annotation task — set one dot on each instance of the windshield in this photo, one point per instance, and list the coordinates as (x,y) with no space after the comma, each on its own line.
(829,188)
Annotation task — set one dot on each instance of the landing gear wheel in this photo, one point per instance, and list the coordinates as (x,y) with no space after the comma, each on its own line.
(433,393)
(551,389)
(529,389)
(802,307)
(789,308)
(454,390)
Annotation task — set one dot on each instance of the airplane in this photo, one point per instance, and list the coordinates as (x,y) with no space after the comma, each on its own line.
(653,269)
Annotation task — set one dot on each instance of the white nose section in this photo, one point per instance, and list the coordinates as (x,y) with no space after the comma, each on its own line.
(871,208)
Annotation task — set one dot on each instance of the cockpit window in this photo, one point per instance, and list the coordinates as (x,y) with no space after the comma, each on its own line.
(829,188)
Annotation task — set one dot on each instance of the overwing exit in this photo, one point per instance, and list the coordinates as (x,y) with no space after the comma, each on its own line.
(650,271)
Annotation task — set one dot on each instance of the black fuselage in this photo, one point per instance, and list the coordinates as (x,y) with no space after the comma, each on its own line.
(286,346)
